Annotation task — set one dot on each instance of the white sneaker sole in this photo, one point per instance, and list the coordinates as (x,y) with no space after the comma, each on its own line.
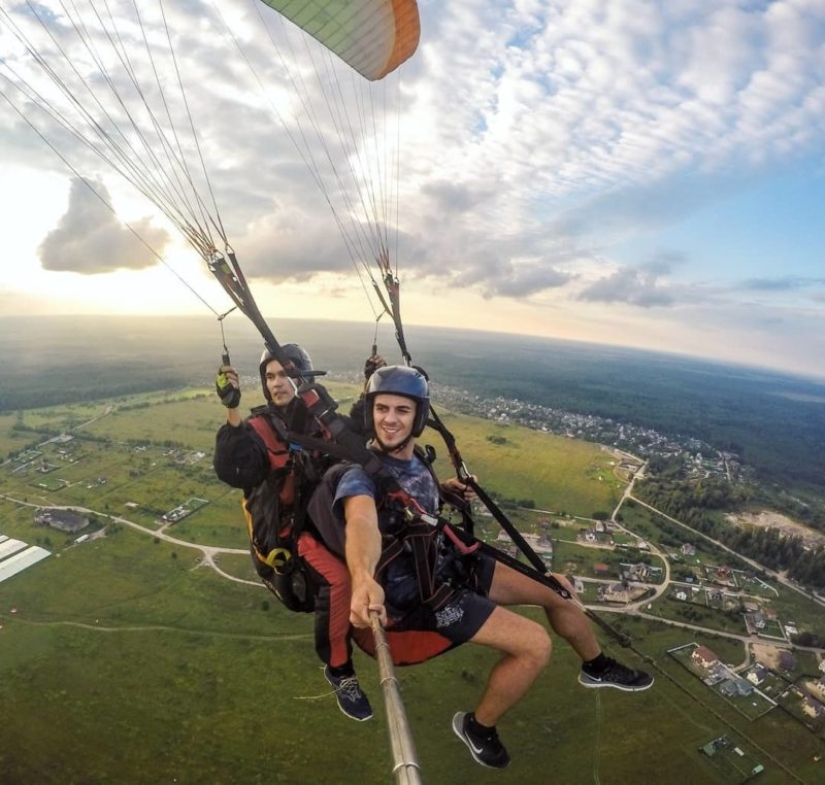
(622,687)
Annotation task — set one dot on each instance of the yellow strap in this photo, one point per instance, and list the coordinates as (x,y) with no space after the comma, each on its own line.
(277,558)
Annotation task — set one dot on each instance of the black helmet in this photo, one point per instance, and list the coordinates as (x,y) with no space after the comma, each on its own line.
(298,356)
(400,380)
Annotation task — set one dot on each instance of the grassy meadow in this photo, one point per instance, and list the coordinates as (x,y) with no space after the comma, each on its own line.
(124,659)
(558,474)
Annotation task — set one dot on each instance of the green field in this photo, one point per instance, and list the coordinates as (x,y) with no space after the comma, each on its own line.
(124,659)
(564,476)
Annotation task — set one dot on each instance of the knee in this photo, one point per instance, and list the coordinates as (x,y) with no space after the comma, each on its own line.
(538,647)
(544,651)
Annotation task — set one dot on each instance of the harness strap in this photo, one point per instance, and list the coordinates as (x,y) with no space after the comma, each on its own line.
(544,578)
(278,558)
(463,548)
(423,540)
(286,462)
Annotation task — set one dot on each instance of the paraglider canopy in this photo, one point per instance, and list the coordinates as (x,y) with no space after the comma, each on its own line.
(372,36)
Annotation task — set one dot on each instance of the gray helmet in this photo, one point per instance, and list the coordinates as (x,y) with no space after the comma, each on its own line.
(399,380)
(296,355)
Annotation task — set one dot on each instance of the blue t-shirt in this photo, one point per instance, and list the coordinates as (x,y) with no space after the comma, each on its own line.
(414,476)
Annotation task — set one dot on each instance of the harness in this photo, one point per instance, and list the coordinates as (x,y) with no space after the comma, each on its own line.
(405,528)
(275,510)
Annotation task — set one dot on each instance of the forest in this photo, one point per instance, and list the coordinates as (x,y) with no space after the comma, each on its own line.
(695,504)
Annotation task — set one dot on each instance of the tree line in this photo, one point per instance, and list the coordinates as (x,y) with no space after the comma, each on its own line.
(699,504)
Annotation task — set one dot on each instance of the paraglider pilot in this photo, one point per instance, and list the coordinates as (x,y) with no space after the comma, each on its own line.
(469,593)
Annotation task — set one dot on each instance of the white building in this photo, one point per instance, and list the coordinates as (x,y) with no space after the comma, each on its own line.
(21,560)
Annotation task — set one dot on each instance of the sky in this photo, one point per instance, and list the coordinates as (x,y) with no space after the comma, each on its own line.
(645,174)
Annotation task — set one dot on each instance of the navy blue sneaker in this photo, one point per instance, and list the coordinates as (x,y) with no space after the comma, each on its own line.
(351,698)
(486,750)
(618,676)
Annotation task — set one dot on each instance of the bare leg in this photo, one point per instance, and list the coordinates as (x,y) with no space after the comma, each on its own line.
(525,648)
(565,618)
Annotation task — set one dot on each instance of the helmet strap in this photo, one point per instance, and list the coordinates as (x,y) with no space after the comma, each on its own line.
(390,450)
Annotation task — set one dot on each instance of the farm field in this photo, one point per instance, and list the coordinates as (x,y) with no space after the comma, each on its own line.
(126,659)
(155,450)
(565,476)
(143,674)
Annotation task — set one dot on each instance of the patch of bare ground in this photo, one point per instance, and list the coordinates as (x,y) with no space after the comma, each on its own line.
(766,519)
(767,655)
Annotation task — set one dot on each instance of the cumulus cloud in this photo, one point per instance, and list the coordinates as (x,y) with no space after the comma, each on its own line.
(603,124)
(90,239)
(574,97)
(508,278)
(289,244)
(640,286)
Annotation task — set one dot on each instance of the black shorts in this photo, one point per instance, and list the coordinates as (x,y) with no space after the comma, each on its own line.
(465,611)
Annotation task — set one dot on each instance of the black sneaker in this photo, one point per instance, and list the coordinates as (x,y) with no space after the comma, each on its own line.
(618,676)
(486,750)
(351,698)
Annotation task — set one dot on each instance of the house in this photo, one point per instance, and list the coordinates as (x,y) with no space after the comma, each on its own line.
(600,568)
(539,543)
(688,550)
(755,622)
(63,520)
(596,536)
(818,688)
(757,674)
(704,657)
(635,572)
(736,688)
(813,708)
(822,665)
(616,592)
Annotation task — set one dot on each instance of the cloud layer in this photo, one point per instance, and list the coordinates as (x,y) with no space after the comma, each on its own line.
(549,151)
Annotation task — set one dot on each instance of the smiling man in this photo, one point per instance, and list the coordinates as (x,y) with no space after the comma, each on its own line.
(438,588)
